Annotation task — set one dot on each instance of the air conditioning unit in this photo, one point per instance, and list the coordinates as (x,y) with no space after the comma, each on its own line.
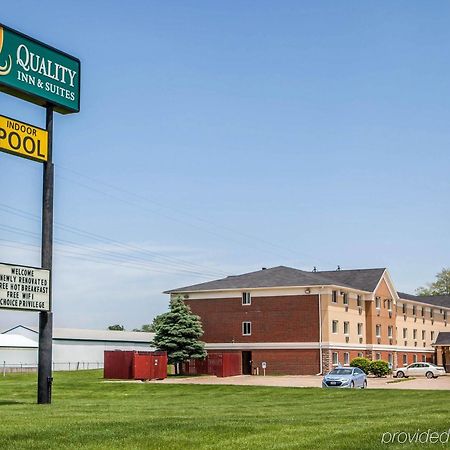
(346,308)
(390,342)
(360,340)
(404,318)
(406,343)
(347,339)
(415,319)
(360,310)
(378,312)
(378,341)
(390,314)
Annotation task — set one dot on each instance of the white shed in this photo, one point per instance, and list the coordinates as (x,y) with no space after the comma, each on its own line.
(17,352)
(75,349)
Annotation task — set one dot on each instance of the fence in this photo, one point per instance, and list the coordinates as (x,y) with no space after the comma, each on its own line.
(57,366)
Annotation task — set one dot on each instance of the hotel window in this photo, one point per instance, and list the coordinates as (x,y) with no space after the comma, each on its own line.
(432,336)
(422,312)
(358,301)
(378,330)
(345,298)
(431,312)
(360,329)
(423,335)
(377,302)
(389,303)
(424,358)
(246,328)
(360,355)
(346,327)
(390,359)
(346,359)
(405,333)
(414,334)
(404,308)
(414,310)
(390,329)
(445,315)
(334,326)
(378,356)
(405,360)
(334,297)
(414,358)
(335,359)
(246,298)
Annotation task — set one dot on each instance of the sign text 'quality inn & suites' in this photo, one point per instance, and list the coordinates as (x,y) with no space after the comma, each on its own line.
(38,73)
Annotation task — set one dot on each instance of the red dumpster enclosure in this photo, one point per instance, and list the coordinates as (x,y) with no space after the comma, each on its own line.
(220,364)
(133,365)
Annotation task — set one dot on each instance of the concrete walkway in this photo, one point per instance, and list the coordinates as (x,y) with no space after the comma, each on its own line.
(308,381)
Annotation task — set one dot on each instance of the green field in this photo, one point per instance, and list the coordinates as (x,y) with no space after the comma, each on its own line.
(88,413)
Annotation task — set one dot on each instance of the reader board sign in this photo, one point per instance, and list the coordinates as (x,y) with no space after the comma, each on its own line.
(22,139)
(36,72)
(24,288)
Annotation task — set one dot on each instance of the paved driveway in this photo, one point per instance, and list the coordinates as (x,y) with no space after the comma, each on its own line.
(309,381)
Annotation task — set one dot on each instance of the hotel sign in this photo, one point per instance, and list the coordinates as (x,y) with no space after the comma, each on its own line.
(22,139)
(24,288)
(38,73)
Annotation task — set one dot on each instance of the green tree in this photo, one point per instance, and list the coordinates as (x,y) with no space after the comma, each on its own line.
(439,287)
(116,327)
(178,333)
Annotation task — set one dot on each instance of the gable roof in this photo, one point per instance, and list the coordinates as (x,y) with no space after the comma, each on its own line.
(443,338)
(436,300)
(282,276)
(78,334)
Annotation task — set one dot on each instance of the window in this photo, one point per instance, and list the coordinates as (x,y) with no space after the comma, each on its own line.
(445,315)
(246,328)
(414,310)
(377,356)
(404,308)
(377,302)
(389,303)
(424,358)
(360,355)
(390,359)
(405,360)
(346,327)
(414,358)
(378,330)
(358,301)
(431,312)
(345,298)
(423,335)
(422,312)
(246,298)
(335,359)
(360,329)
(390,330)
(405,333)
(432,336)
(334,326)
(334,297)
(414,334)
(346,359)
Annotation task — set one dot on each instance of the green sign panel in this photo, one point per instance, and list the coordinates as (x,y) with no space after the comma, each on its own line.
(38,73)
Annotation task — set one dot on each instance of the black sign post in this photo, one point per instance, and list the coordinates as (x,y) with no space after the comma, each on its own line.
(46,317)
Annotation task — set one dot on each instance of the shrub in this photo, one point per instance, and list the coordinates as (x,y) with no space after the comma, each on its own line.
(379,368)
(362,363)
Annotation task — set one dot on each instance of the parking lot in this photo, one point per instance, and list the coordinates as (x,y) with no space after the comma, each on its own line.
(441,383)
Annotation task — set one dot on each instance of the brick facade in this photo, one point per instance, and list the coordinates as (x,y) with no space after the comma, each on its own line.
(293,318)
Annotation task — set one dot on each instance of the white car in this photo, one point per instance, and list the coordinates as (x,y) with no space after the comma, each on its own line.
(419,370)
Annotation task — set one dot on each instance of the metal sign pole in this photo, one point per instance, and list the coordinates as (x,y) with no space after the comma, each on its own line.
(46,317)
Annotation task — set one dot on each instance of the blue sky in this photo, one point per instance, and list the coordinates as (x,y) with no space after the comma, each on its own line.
(220,137)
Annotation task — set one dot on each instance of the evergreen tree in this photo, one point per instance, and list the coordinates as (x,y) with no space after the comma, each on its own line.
(178,332)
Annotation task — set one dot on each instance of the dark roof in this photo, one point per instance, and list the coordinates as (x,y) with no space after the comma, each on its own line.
(436,300)
(443,338)
(281,276)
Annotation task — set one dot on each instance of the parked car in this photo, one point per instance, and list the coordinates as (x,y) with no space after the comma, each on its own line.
(419,369)
(345,377)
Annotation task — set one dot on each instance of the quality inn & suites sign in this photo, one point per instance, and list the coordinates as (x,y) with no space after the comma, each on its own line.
(38,73)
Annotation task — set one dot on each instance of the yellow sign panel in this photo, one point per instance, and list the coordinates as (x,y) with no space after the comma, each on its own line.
(22,139)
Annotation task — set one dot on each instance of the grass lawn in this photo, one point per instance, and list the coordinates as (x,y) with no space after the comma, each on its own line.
(87,413)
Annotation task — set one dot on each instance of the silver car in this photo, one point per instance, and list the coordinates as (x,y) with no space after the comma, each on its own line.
(345,377)
(419,370)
